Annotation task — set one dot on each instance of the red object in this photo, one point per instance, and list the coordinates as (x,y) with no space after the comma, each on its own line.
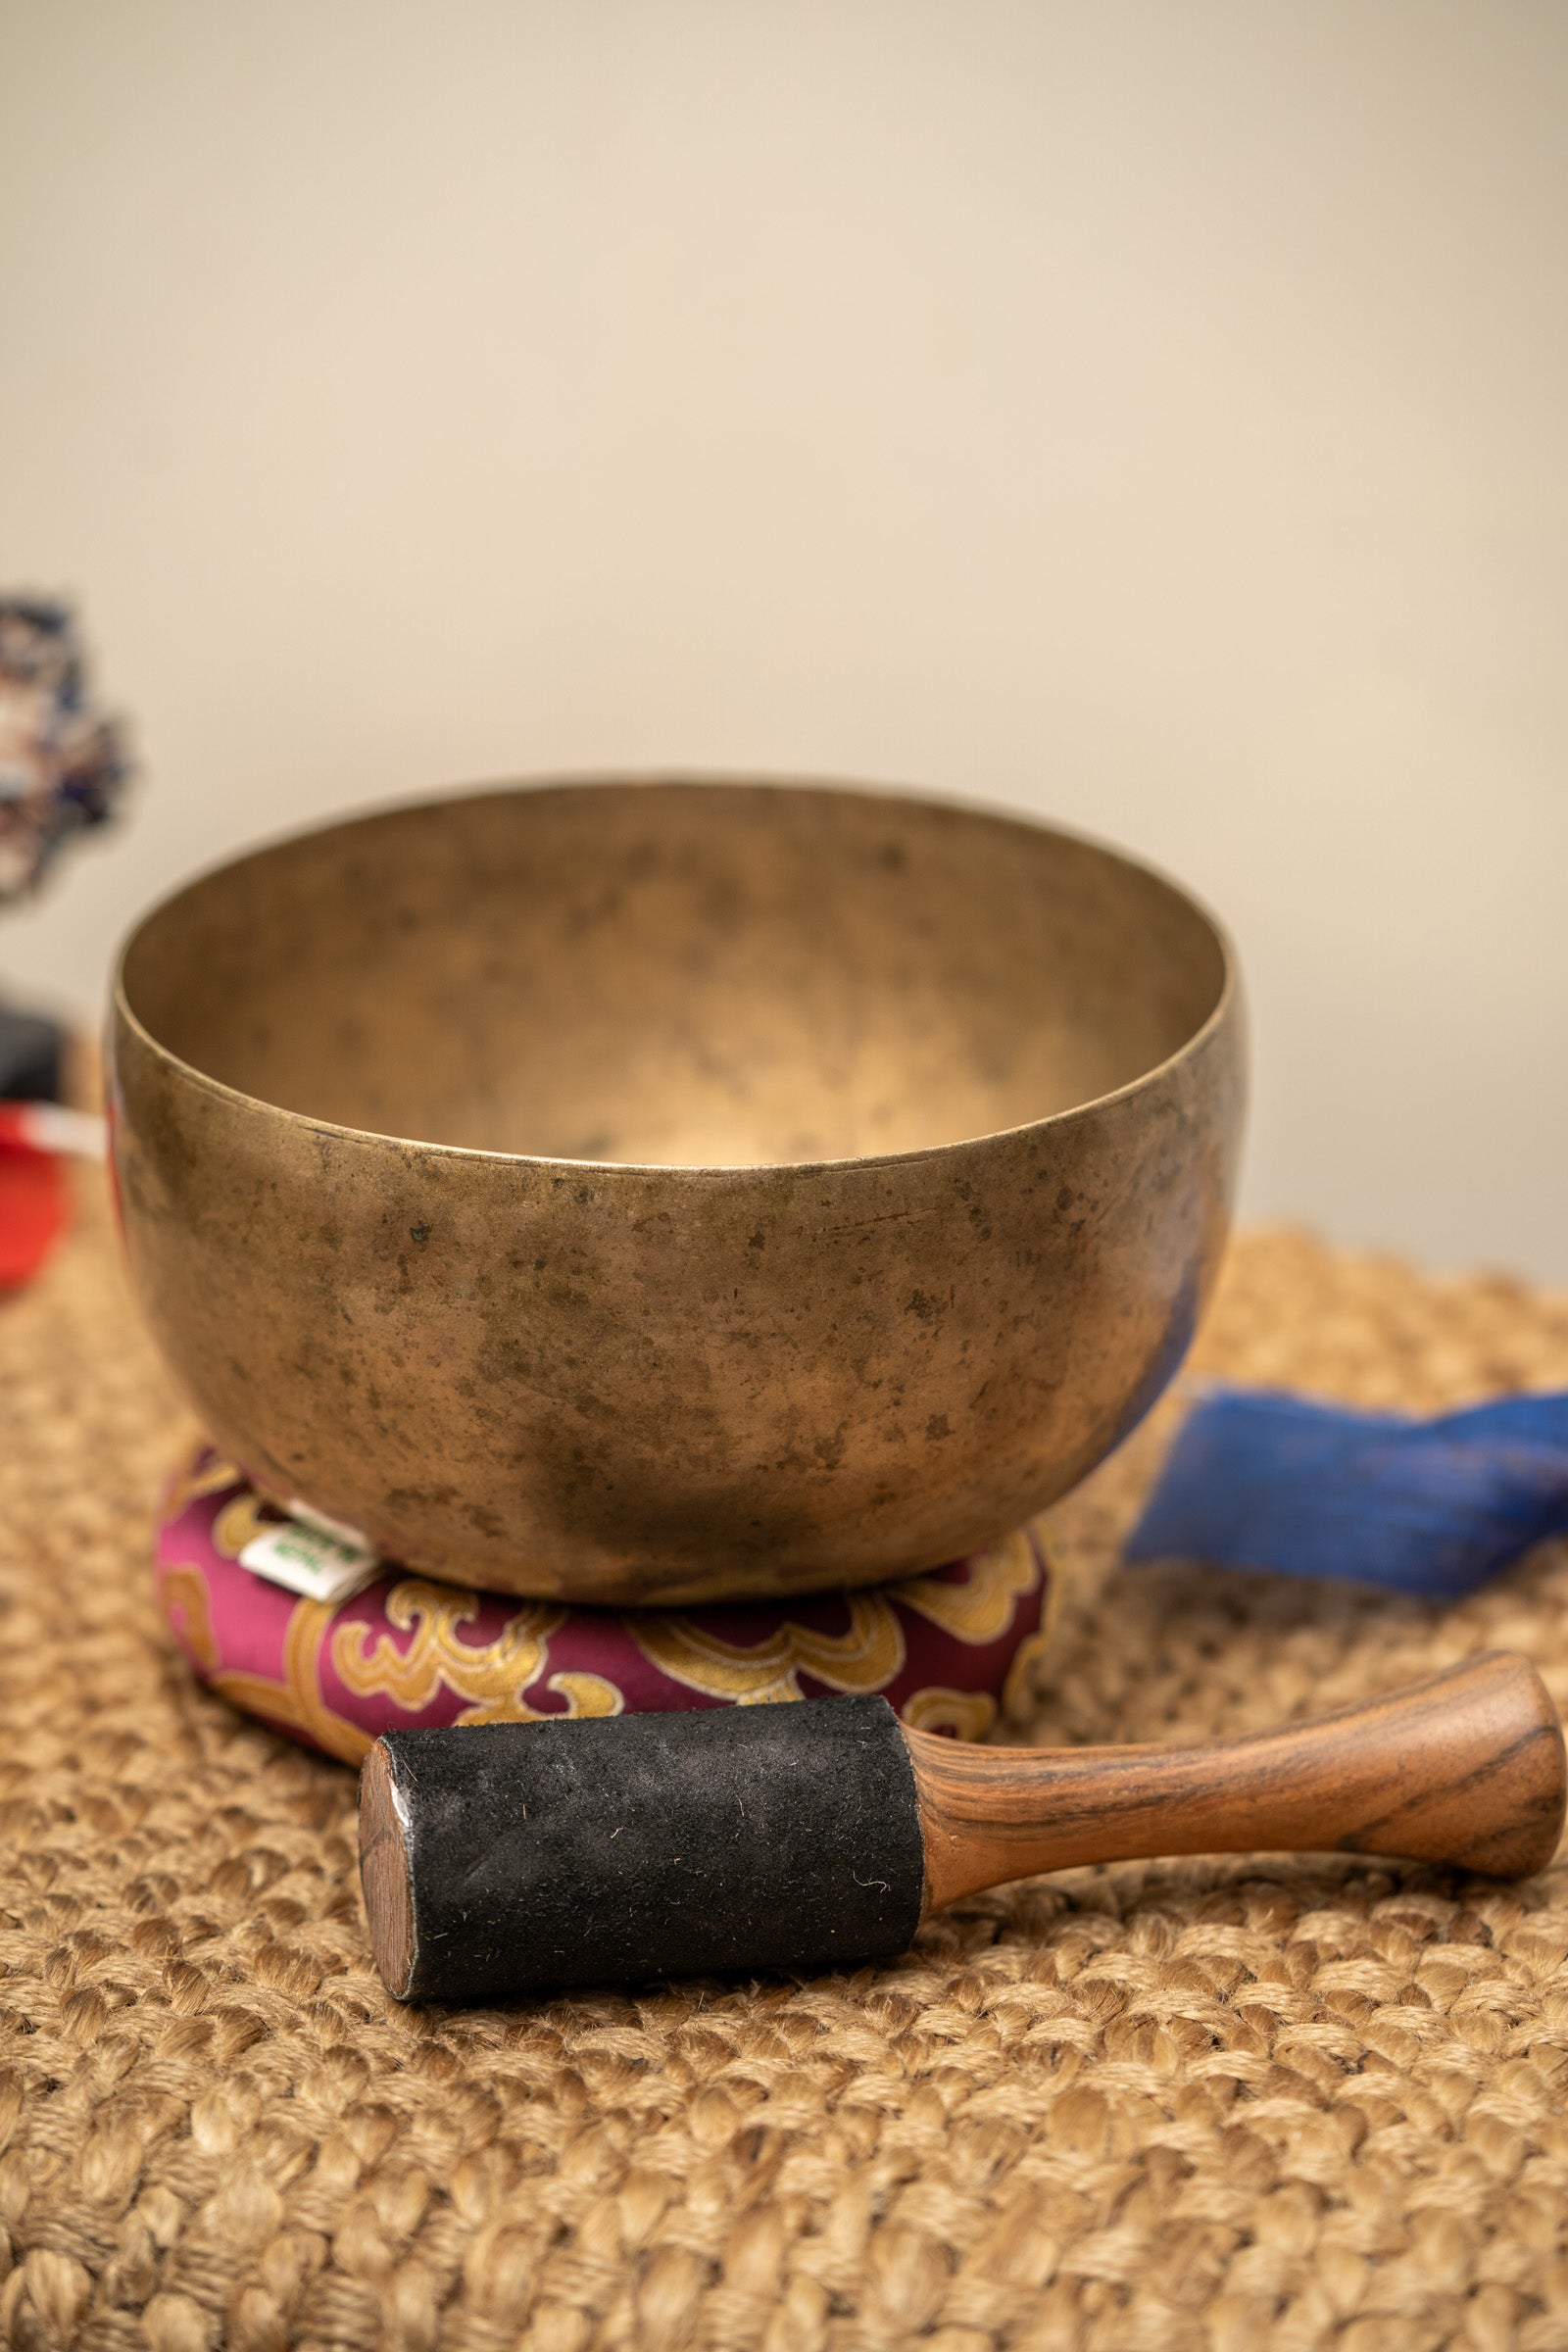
(33,1201)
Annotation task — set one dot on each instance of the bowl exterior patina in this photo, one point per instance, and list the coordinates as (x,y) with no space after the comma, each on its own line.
(606,1381)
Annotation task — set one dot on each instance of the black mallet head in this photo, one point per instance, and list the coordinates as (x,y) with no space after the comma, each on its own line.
(510,1858)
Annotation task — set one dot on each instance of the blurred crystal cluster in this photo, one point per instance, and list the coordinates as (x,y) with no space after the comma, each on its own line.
(62,764)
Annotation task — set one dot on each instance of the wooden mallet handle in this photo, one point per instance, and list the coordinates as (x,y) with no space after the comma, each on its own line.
(1465,1767)
(511,1858)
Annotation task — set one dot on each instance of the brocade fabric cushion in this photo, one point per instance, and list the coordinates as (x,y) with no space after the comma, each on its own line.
(404,1650)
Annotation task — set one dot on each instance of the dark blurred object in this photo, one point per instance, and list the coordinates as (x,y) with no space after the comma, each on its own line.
(62,764)
(33,1057)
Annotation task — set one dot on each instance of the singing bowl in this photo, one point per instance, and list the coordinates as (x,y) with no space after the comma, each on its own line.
(674,1191)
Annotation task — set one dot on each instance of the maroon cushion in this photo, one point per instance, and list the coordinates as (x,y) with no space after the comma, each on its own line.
(405,1650)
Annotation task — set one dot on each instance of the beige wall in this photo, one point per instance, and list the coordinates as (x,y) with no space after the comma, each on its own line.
(1151,413)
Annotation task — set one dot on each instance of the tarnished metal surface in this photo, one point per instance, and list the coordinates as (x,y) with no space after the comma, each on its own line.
(662,1192)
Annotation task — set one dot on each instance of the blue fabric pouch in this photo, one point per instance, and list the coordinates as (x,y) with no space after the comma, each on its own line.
(1429,1507)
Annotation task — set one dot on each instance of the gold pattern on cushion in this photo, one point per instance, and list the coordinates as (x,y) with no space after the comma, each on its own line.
(585,1694)
(297,1700)
(198,1478)
(186,1601)
(1018,1689)
(491,1675)
(968,1714)
(756,1672)
(240,1521)
(980,1610)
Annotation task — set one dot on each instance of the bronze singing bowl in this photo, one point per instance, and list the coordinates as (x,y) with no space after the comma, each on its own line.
(668,1191)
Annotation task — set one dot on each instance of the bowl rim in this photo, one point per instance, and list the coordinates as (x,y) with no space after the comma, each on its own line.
(123,1013)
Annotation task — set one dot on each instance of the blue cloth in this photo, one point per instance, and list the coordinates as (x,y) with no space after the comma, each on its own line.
(1431,1508)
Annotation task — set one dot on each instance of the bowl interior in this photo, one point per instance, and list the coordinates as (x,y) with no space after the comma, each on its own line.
(684,974)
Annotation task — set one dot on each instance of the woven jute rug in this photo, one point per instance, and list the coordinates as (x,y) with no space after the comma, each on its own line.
(1212,2104)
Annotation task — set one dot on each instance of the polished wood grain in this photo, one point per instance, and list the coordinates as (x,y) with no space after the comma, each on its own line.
(384,1874)
(1465,1767)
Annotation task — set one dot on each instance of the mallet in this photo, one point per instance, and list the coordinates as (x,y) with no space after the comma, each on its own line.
(515,1858)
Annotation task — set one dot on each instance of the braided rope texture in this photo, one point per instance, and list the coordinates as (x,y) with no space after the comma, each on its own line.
(1154,2108)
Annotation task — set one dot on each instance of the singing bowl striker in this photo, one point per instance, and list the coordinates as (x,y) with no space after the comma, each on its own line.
(674,1191)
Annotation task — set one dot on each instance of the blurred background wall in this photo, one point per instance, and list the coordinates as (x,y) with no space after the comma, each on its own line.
(1148,414)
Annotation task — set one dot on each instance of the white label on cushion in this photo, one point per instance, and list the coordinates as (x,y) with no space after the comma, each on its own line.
(307,1560)
(354,1538)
